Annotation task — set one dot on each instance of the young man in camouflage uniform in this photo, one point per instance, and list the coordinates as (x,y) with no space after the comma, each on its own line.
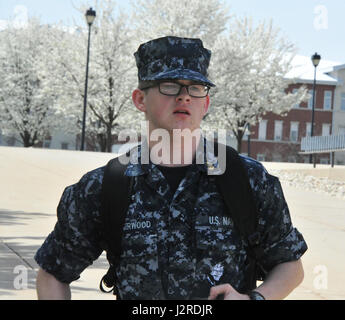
(177,236)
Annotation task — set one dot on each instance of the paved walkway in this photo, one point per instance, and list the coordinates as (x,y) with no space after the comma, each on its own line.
(32,181)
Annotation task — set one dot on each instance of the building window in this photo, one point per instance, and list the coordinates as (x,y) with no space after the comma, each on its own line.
(262,129)
(342,104)
(278,130)
(341,130)
(246,132)
(296,106)
(64,145)
(277,157)
(308,129)
(46,143)
(310,101)
(294,131)
(324,160)
(260,157)
(326,129)
(292,159)
(327,100)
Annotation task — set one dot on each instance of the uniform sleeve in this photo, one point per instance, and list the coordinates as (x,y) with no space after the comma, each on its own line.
(75,242)
(281,241)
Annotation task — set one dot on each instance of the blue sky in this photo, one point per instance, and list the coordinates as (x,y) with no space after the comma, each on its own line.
(313,25)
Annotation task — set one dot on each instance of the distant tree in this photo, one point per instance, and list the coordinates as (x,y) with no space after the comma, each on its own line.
(249,64)
(184,18)
(111,74)
(26,106)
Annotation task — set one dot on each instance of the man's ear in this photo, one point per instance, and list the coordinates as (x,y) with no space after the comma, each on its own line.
(207,104)
(138,97)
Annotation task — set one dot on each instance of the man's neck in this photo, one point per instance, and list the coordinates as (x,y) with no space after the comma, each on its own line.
(175,148)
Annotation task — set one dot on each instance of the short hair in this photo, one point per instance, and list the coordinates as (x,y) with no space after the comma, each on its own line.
(148,83)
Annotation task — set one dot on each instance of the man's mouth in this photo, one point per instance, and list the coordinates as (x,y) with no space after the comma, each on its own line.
(182,112)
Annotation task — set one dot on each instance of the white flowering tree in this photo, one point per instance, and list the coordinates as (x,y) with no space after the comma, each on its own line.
(26,106)
(184,18)
(111,74)
(112,71)
(248,67)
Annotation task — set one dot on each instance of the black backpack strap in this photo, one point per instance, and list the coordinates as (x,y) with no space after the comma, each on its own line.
(241,208)
(116,191)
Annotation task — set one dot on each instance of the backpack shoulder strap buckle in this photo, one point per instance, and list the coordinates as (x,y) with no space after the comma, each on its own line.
(108,280)
(254,239)
(103,283)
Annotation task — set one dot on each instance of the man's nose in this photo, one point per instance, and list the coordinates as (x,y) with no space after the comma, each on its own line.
(183,95)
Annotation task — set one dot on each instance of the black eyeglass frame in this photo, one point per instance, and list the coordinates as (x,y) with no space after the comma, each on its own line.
(179,92)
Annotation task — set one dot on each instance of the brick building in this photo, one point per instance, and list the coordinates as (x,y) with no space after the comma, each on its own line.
(278,138)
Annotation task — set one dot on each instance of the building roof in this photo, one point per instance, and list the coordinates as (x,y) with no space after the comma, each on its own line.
(303,71)
(339,67)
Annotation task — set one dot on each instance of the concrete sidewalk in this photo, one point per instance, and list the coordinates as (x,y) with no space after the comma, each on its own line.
(32,181)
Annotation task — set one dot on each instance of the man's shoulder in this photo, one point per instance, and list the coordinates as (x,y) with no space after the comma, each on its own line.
(253,165)
(82,199)
(89,186)
(91,182)
(259,177)
(93,177)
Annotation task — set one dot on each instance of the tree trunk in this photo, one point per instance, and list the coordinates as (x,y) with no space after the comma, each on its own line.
(27,140)
(105,140)
(239,144)
(102,141)
(239,136)
(109,139)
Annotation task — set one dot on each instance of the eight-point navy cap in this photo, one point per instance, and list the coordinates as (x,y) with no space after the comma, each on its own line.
(173,58)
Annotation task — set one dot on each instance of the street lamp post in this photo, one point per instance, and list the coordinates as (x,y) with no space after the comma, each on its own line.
(90,17)
(315,60)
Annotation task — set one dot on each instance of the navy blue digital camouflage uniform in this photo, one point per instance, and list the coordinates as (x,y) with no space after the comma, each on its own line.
(174,243)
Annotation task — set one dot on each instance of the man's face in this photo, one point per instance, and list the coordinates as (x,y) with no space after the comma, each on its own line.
(171,112)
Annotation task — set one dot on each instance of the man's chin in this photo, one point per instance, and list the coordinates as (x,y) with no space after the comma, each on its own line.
(182,126)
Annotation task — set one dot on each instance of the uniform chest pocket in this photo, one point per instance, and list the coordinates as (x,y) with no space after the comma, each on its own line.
(220,256)
(217,242)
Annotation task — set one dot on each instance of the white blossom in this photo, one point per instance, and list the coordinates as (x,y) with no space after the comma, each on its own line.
(183,18)
(26,106)
(111,74)
(249,64)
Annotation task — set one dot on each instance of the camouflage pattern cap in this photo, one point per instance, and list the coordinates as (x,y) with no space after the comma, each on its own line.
(173,58)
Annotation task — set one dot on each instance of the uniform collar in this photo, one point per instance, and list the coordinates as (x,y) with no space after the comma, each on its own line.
(205,160)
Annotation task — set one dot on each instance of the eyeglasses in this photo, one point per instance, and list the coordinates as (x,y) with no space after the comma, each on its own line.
(174,89)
